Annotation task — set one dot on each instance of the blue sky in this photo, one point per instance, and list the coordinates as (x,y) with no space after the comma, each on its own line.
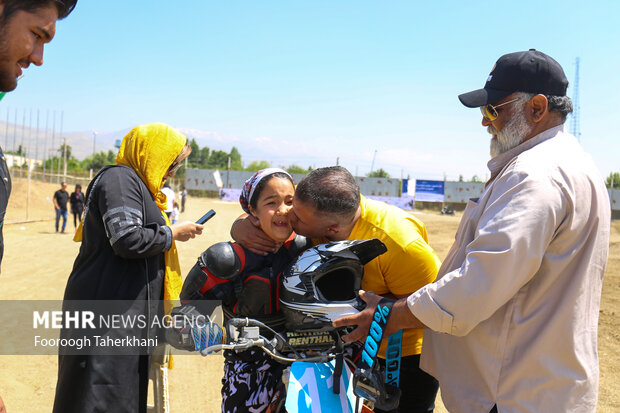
(308,82)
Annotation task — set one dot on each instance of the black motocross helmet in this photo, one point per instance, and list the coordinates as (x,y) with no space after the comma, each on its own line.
(321,285)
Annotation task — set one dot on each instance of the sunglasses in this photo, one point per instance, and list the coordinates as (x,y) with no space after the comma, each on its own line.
(490,112)
(174,167)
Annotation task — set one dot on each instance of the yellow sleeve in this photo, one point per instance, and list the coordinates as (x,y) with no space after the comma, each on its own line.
(318,241)
(408,269)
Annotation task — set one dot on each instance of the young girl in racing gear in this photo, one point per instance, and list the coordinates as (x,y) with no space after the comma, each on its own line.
(248,286)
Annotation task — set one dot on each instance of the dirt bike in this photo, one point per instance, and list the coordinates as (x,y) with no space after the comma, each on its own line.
(317,380)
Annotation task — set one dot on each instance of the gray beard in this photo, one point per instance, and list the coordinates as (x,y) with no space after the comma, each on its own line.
(512,133)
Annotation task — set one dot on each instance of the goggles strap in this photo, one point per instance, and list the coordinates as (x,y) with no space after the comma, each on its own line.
(367,379)
(375,335)
(392,359)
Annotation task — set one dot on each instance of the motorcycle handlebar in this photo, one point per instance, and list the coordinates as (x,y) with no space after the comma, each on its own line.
(270,347)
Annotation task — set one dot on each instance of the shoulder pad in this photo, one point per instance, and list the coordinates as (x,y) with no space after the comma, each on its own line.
(298,244)
(221,260)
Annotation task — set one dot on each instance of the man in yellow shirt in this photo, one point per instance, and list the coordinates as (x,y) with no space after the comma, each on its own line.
(328,204)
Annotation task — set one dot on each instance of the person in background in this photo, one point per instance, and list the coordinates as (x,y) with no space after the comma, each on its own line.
(174,217)
(61,197)
(183,195)
(166,190)
(511,322)
(128,253)
(77,204)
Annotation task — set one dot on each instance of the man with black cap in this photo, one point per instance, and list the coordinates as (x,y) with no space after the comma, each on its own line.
(511,322)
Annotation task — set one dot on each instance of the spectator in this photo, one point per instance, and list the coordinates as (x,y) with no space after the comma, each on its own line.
(61,197)
(77,204)
(512,319)
(174,217)
(166,190)
(183,195)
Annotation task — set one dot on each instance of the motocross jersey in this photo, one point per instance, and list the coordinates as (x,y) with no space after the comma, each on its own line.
(247,284)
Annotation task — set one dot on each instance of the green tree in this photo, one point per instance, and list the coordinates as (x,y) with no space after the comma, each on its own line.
(19,152)
(51,162)
(204,157)
(58,161)
(98,160)
(257,166)
(475,179)
(193,159)
(613,180)
(296,169)
(235,160)
(61,151)
(379,173)
(111,157)
(218,160)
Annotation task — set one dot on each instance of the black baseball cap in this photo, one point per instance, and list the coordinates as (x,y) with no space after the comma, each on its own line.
(531,72)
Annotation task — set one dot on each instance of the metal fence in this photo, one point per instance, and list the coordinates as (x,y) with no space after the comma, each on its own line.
(207,179)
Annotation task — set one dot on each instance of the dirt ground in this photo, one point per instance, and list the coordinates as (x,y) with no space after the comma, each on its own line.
(37,262)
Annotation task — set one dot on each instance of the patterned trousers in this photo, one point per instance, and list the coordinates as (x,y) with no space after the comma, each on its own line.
(251,383)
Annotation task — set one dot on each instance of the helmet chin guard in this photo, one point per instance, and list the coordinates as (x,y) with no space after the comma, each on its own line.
(322,283)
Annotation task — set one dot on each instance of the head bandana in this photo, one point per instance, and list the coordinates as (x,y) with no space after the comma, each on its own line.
(150,150)
(248,188)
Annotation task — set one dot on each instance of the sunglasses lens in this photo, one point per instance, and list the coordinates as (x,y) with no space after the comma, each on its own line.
(174,167)
(489,112)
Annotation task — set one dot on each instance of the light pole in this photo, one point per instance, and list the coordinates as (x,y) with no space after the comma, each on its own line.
(94,143)
(93,159)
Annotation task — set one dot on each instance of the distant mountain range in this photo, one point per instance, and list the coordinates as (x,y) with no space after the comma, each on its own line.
(277,152)
(81,142)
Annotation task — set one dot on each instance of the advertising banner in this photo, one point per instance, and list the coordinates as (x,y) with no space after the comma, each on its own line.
(429,191)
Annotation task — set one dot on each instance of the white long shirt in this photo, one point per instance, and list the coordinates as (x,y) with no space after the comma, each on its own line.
(513,315)
(169,198)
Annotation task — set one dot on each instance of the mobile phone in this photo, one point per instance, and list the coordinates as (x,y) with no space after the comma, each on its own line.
(206,217)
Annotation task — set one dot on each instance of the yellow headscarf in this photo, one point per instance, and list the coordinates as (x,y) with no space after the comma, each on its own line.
(150,150)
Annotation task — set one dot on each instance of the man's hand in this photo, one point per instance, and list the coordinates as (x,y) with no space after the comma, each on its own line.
(247,232)
(183,231)
(362,319)
(400,318)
